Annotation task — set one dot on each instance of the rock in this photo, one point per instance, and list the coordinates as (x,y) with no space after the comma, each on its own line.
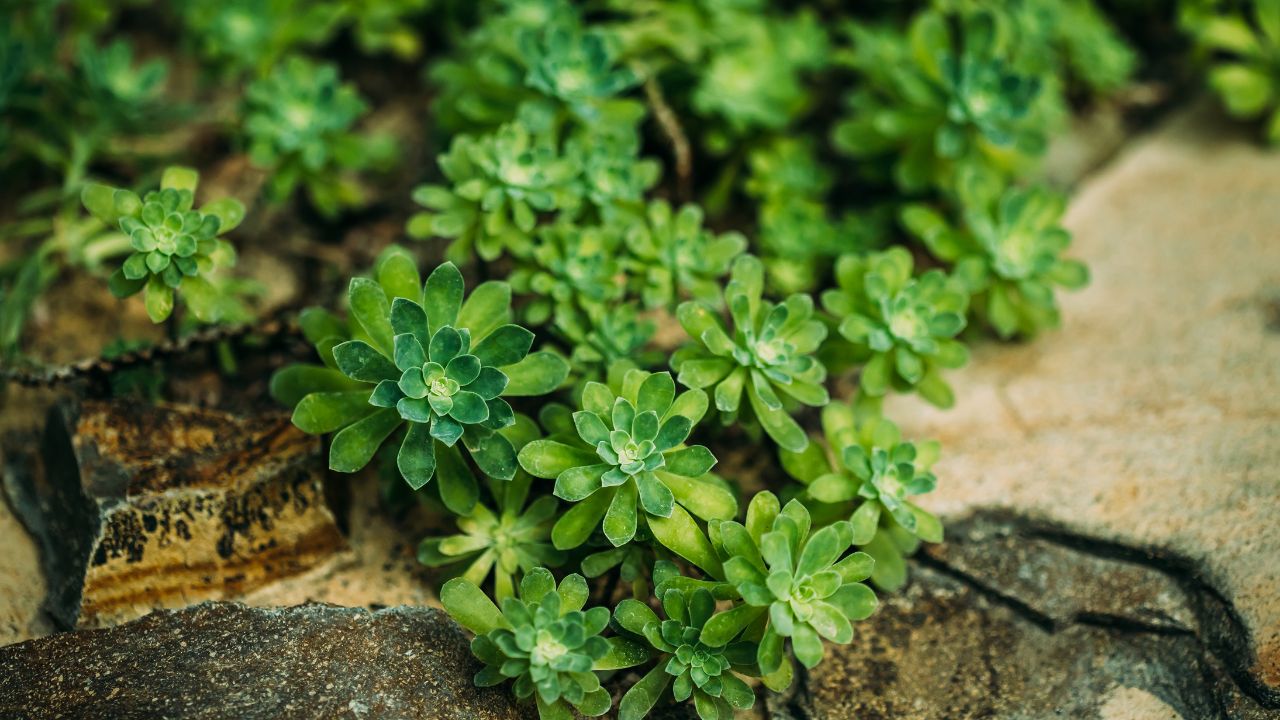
(226,660)
(1148,423)
(380,570)
(1059,580)
(942,649)
(138,507)
(22,586)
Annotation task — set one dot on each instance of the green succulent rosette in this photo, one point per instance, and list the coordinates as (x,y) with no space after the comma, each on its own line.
(862,469)
(689,667)
(905,326)
(1008,253)
(544,641)
(796,575)
(625,459)
(768,351)
(435,365)
(298,125)
(939,98)
(174,246)
(675,258)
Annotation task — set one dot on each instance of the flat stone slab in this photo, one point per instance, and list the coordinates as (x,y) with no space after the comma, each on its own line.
(1151,420)
(227,660)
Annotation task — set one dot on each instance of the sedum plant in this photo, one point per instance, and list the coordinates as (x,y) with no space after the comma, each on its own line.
(627,459)
(904,324)
(768,351)
(501,182)
(507,541)
(174,246)
(544,641)
(691,668)
(676,258)
(794,577)
(862,468)
(1008,254)
(298,125)
(937,99)
(437,366)
(1243,40)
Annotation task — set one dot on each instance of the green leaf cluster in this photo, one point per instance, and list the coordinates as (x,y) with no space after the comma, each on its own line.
(433,364)
(298,125)
(174,247)
(545,641)
(1242,41)
(691,668)
(862,469)
(903,324)
(1007,252)
(626,459)
(765,354)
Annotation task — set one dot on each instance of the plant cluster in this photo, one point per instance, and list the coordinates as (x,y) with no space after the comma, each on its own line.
(610,468)
(1241,44)
(676,235)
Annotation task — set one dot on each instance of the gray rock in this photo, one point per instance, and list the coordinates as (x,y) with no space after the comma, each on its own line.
(943,649)
(226,660)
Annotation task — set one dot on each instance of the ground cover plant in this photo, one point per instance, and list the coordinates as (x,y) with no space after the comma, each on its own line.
(614,244)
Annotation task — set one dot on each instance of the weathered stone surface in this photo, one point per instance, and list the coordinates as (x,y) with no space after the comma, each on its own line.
(138,507)
(22,586)
(381,569)
(1151,420)
(1058,581)
(944,650)
(225,660)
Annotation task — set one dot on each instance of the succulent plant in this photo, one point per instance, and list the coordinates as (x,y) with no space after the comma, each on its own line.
(437,366)
(483,83)
(175,247)
(500,183)
(1245,47)
(769,351)
(754,76)
(675,258)
(254,35)
(937,99)
(1009,254)
(116,86)
(544,641)
(298,125)
(686,664)
(602,335)
(570,267)
(506,541)
(629,460)
(615,178)
(905,325)
(574,65)
(864,468)
(797,575)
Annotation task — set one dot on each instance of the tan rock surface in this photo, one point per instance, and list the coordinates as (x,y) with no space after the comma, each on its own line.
(22,585)
(1152,418)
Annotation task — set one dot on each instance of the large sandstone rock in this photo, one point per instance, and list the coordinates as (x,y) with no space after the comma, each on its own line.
(1149,425)
(226,660)
(139,507)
